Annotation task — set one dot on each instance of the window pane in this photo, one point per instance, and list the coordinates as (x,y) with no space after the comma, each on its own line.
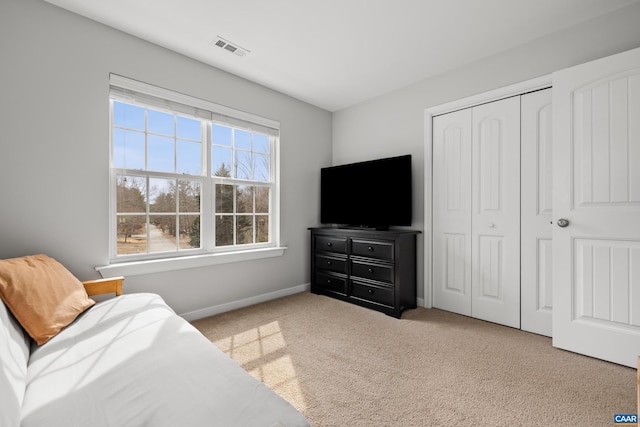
(128,149)
(221,135)
(131,234)
(162,195)
(188,128)
(262,200)
(221,161)
(162,233)
(189,196)
(242,139)
(189,157)
(159,122)
(244,229)
(261,167)
(261,143)
(243,165)
(224,198)
(189,231)
(131,194)
(244,199)
(161,154)
(224,230)
(262,228)
(128,116)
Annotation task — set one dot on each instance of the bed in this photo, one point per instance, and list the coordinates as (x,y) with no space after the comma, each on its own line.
(127,361)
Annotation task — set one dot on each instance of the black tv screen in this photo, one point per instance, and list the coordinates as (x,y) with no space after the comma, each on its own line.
(375,193)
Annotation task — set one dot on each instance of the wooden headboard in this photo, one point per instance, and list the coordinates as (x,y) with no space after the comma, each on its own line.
(104,286)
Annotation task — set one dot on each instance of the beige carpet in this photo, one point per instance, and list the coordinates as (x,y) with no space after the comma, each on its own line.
(343,365)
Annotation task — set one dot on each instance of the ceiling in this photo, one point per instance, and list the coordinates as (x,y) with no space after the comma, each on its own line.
(337,53)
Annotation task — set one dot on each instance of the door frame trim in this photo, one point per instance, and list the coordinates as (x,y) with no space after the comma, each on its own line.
(517,89)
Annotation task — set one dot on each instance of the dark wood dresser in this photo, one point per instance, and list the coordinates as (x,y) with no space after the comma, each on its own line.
(371,268)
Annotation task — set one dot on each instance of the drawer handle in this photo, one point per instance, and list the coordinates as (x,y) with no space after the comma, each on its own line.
(328,262)
(329,244)
(370,248)
(371,270)
(371,291)
(328,281)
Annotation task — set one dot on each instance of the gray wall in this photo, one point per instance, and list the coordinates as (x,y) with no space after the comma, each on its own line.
(393,124)
(54,151)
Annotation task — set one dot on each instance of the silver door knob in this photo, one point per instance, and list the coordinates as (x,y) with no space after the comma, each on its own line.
(562,222)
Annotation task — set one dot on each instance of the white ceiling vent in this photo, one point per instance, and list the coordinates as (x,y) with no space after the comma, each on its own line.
(231,47)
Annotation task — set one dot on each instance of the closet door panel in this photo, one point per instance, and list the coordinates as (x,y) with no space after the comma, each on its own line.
(495,216)
(452,212)
(536,146)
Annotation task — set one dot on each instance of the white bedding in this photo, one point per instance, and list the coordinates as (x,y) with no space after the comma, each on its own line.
(130,361)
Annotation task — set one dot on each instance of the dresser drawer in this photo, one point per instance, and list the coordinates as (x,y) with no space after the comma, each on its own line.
(331,283)
(378,272)
(380,295)
(379,249)
(330,263)
(331,244)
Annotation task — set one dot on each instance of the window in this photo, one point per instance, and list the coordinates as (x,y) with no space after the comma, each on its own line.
(188,176)
(242,192)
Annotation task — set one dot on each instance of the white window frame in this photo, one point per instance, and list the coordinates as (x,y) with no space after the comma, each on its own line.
(158,98)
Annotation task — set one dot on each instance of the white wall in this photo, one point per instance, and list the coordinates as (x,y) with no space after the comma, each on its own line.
(54,151)
(393,124)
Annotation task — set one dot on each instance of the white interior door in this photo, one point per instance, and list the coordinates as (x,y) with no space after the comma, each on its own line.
(452,212)
(495,222)
(596,173)
(536,202)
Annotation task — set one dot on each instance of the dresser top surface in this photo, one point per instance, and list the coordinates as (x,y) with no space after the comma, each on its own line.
(346,231)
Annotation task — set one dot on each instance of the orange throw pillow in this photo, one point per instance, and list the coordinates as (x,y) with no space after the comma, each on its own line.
(42,295)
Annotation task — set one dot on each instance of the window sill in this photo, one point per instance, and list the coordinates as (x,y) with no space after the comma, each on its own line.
(135,268)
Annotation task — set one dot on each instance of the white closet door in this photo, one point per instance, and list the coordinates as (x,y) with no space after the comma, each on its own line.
(596,177)
(536,202)
(496,212)
(452,212)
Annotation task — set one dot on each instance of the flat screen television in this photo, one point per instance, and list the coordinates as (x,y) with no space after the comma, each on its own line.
(371,194)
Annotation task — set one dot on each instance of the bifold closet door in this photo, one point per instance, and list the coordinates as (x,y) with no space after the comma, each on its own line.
(537,189)
(476,212)
(452,212)
(495,219)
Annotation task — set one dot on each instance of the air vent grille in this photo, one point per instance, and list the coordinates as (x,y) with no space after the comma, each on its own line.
(230,47)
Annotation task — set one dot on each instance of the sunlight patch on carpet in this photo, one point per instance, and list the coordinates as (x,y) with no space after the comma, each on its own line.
(262,351)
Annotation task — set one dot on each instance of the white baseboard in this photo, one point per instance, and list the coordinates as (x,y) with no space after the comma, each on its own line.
(420,302)
(233,305)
